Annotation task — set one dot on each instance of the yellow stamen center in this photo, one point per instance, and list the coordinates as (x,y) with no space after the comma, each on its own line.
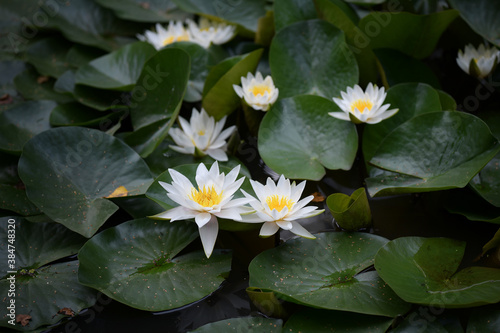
(279,202)
(361,104)
(201,132)
(171,39)
(207,196)
(260,89)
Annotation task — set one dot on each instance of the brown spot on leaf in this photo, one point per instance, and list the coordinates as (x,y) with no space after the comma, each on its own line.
(67,312)
(5,99)
(42,79)
(24,319)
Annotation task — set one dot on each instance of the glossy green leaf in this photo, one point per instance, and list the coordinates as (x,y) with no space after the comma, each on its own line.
(36,244)
(75,114)
(424,271)
(481,16)
(145,140)
(414,35)
(314,320)
(321,61)
(159,195)
(243,324)
(33,86)
(45,292)
(15,200)
(433,151)
(138,10)
(99,99)
(118,70)
(447,102)
(166,71)
(79,55)
(400,68)
(327,273)
(219,98)
(136,263)
(22,122)
(299,139)
(287,12)
(350,212)
(411,99)
(485,319)
(242,12)
(49,56)
(70,172)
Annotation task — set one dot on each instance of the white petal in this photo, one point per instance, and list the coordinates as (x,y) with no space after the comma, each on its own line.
(208,235)
(202,218)
(340,115)
(217,154)
(300,230)
(286,225)
(176,213)
(268,229)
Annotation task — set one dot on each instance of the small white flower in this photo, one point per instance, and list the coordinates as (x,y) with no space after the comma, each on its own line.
(363,107)
(202,136)
(259,93)
(278,206)
(208,32)
(175,32)
(212,198)
(478,62)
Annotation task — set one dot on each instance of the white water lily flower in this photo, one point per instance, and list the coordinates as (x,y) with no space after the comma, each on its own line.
(175,32)
(278,206)
(201,136)
(211,198)
(259,93)
(478,62)
(363,106)
(207,32)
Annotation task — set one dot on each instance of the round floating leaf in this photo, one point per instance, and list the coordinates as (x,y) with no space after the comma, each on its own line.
(482,17)
(47,295)
(138,10)
(312,57)
(350,212)
(326,273)
(69,172)
(135,263)
(433,151)
(287,12)
(243,324)
(22,122)
(299,139)
(219,98)
(412,34)
(243,12)
(36,244)
(424,271)
(314,320)
(49,56)
(118,70)
(158,194)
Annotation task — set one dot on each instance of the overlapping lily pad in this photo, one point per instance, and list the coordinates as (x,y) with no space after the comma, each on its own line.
(327,273)
(34,86)
(117,70)
(71,185)
(321,60)
(299,139)
(49,56)
(136,263)
(433,151)
(243,324)
(75,114)
(424,271)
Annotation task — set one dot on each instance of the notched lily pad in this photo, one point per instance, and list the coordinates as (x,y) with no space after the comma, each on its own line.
(350,212)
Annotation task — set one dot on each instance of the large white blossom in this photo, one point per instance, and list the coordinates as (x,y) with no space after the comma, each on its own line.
(212,197)
(208,32)
(175,32)
(279,206)
(483,59)
(202,135)
(361,106)
(258,92)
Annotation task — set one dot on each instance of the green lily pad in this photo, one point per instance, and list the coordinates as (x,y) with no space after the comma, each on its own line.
(219,98)
(243,12)
(424,271)
(46,294)
(98,99)
(311,57)
(136,263)
(22,122)
(71,185)
(350,212)
(159,195)
(65,84)
(414,35)
(243,324)
(49,56)
(267,303)
(487,181)
(485,319)
(315,320)
(138,10)
(448,103)
(118,70)
(299,139)
(327,272)
(75,114)
(481,16)
(79,55)
(433,151)
(287,12)
(33,86)
(14,199)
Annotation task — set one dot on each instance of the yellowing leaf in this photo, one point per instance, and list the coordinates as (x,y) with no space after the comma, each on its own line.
(118,192)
